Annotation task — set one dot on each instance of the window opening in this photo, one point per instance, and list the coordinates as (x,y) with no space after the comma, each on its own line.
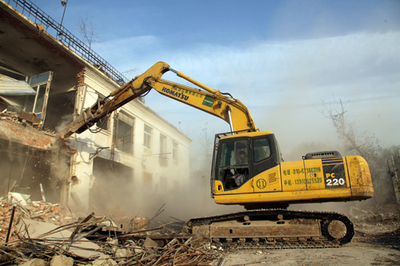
(175,151)
(124,141)
(38,103)
(163,150)
(147,136)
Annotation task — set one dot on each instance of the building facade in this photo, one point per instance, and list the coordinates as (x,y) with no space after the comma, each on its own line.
(132,158)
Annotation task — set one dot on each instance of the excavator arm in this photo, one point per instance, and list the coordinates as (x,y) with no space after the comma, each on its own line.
(204,98)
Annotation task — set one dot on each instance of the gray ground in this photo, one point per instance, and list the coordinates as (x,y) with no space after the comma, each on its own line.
(352,254)
(374,244)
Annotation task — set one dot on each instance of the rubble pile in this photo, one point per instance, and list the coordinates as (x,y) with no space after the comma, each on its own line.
(380,227)
(38,211)
(189,252)
(7,115)
(41,233)
(112,253)
(24,119)
(21,117)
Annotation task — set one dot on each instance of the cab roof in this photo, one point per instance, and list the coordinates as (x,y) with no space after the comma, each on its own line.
(248,134)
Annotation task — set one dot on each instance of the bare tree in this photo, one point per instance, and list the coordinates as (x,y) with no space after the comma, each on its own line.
(88,30)
(367,146)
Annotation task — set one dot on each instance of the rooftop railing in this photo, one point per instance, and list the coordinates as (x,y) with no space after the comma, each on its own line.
(34,13)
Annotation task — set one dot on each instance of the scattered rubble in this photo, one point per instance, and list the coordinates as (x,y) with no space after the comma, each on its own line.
(41,233)
(24,119)
(38,211)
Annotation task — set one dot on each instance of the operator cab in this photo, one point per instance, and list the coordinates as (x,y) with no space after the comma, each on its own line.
(240,158)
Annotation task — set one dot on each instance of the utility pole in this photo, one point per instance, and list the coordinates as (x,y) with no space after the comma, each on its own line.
(64,4)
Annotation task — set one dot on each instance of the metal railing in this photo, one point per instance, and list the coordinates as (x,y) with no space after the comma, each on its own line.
(34,13)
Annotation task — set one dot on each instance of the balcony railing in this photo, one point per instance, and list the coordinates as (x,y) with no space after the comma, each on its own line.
(34,13)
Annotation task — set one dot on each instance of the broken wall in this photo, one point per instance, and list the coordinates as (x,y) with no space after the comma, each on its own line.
(28,49)
(119,143)
(27,167)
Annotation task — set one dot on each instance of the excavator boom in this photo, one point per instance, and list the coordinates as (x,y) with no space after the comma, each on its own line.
(204,98)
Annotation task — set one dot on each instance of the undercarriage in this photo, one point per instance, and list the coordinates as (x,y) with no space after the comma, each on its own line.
(274,229)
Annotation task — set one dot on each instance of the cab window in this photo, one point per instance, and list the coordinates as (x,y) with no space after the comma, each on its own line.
(261,149)
(233,165)
(234,153)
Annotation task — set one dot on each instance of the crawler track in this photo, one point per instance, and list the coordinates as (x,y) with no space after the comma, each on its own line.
(274,229)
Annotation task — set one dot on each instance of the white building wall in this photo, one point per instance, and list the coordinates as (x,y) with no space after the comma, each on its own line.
(174,175)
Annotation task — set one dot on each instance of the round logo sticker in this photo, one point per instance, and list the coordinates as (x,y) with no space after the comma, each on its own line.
(261,183)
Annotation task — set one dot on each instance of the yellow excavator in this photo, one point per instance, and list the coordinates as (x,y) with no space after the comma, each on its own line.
(247,169)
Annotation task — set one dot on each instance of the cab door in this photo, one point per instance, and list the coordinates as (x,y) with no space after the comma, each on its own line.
(265,166)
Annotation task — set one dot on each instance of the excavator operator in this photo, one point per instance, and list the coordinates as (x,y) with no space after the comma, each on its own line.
(242,158)
(238,175)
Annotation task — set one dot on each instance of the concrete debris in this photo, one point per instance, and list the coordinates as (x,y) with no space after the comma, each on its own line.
(7,115)
(24,119)
(29,117)
(149,243)
(122,252)
(18,198)
(34,262)
(46,234)
(104,262)
(38,211)
(61,261)
(140,222)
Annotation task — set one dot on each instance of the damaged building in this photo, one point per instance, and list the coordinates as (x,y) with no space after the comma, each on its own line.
(48,77)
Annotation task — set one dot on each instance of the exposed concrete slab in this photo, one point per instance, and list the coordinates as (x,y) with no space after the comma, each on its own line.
(26,135)
(81,246)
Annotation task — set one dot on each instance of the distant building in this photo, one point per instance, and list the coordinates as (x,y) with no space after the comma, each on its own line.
(133,156)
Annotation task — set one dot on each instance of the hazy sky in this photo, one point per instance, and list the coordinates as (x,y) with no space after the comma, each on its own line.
(282,59)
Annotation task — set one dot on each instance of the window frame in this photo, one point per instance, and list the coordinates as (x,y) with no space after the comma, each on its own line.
(129,120)
(163,156)
(147,136)
(175,151)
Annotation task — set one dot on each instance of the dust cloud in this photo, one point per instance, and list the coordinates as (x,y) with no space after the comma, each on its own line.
(63,122)
(114,192)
